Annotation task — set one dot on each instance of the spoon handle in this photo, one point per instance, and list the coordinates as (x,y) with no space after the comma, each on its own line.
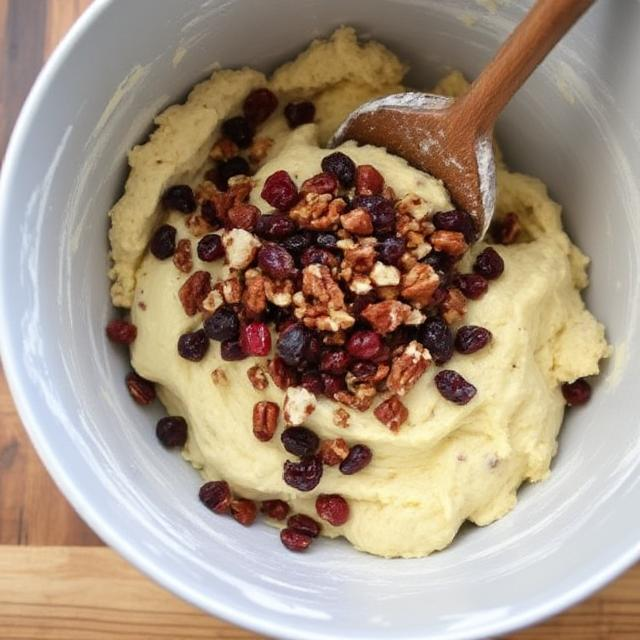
(516,59)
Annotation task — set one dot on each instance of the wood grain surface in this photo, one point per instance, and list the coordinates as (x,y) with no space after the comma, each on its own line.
(55,581)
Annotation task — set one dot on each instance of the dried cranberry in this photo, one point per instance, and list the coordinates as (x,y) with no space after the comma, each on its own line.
(369,181)
(332,508)
(364,345)
(208,212)
(276,226)
(300,441)
(163,242)
(280,191)
(298,113)
(331,384)
(454,387)
(216,496)
(295,540)
(313,348)
(276,509)
(304,524)
(303,475)
(239,130)
(489,264)
(382,213)
(341,166)
(180,197)
(472,285)
(327,241)
(440,262)
(244,511)
(121,331)
(296,243)
(223,324)
(435,334)
(384,356)
(359,457)
(210,247)
(335,361)
(276,262)
(235,166)
(172,431)
(363,370)
(391,249)
(255,339)
(316,255)
(471,338)
(231,350)
(577,392)
(456,220)
(321,183)
(143,391)
(292,343)
(259,105)
(312,382)
(194,345)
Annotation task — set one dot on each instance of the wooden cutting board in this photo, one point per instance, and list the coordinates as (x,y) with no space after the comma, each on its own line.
(57,580)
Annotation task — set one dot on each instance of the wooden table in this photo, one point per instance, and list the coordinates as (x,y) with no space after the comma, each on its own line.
(57,580)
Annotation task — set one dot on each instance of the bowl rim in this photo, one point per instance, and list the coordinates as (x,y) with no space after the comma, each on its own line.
(242,617)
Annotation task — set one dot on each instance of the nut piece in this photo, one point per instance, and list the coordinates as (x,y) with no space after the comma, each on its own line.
(391,413)
(278,292)
(360,399)
(454,306)
(408,367)
(241,248)
(182,257)
(197,225)
(258,377)
(358,222)
(386,316)
(333,452)
(319,212)
(243,216)
(219,377)
(224,149)
(384,275)
(259,150)
(298,405)
(194,291)
(419,284)
(413,205)
(265,420)
(254,297)
(359,259)
(451,242)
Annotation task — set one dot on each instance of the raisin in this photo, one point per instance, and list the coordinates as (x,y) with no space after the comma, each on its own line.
(436,336)
(172,431)
(194,345)
(453,387)
(121,331)
(216,495)
(471,338)
(239,130)
(303,475)
(300,441)
(210,248)
(280,191)
(299,113)
(489,264)
(359,457)
(456,220)
(341,166)
(223,324)
(181,198)
(259,105)
(163,242)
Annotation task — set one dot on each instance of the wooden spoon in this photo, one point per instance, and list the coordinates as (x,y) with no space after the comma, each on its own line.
(453,140)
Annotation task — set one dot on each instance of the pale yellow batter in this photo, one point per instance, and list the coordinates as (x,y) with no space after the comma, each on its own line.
(448,463)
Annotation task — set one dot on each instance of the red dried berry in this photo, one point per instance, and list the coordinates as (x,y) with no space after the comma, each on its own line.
(577,392)
(172,431)
(303,475)
(259,105)
(304,524)
(320,183)
(359,457)
(244,511)
(143,391)
(489,264)
(453,387)
(332,508)
(369,181)
(364,345)
(294,540)
(276,262)
(335,361)
(280,191)
(216,496)
(472,285)
(276,226)
(471,338)
(276,509)
(163,242)
(121,331)
(255,339)
(299,113)
(312,382)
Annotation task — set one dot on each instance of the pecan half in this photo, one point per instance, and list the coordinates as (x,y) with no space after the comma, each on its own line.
(386,316)
(333,452)
(265,420)
(257,377)
(419,284)
(194,291)
(408,367)
(451,242)
(143,391)
(182,257)
(392,413)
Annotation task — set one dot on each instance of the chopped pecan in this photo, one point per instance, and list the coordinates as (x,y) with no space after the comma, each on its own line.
(318,284)
(407,368)
(223,149)
(182,257)
(389,193)
(506,230)
(239,187)
(298,405)
(231,290)
(454,306)
(265,420)
(383,275)
(254,297)
(241,248)
(451,242)
(391,413)
(360,399)
(257,377)
(386,316)
(319,212)
(333,452)
(336,321)
(278,292)
(413,205)
(260,148)
(143,391)
(360,284)
(243,216)
(388,293)
(358,222)
(194,291)
(283,375)
(408,261)
(359,259)
(339,337)
(419,284)
(221,201)
(197,225)
(219,377)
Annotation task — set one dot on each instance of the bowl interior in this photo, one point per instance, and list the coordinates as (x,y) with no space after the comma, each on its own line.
(576,125)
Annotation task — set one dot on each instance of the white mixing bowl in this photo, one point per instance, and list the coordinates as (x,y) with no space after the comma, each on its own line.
(576,125)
